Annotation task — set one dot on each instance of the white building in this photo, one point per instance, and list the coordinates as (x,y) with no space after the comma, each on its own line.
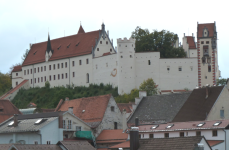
(85,58)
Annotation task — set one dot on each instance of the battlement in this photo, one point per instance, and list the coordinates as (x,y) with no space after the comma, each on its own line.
(125,40)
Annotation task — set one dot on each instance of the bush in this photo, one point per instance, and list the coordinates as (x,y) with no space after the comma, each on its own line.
(47,84)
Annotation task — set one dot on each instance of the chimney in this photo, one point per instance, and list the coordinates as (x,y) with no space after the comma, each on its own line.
(66,99)
(70,109)
(134,138)
(60,120)
(124,125)
(136,122)
(15,120)
(206,92)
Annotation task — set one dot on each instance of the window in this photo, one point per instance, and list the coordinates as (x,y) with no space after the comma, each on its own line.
(36,142)
(209,68)
(170,126)
(64,126)
(16,74)
(87,78)
(115,125)
(48,142)
(201,124)
(35,80)
(58,66)
(24,72)
(151,136)
(66,64)
(222,114)
(180,68)
(41,69)
(101,42)
(44,68)
(54,66)
(69,124)
(166,135)
(149,63)
(66,75)
(73,74)
(106,42)
(80,62)
(181,134)
(50,78)
(112,108)
(97,49)
(45,78)
(41,79)
(31,81)
(202,42)
(214,133)
(16,83)
(154,127)
(121,57)
(62,65)
(62,76)
(50,67)
(206,77)
(38,69)
(168,68)
(217,123)
(38,80)
(27,71)
(207,42)
(110,50)
(130,56)
(198,133)
(34,70)
(73,63)
(54,77)
(78,128)
(87,61)
(58,76)
(31,71)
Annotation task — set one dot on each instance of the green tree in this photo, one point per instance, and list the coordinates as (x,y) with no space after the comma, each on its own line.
(149,86)
(221,81)
(162,41)
(5,83)
(24,55)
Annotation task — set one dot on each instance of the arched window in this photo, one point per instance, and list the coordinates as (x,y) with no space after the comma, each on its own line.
(87,77)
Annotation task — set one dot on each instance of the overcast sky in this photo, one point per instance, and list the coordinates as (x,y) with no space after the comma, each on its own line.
(23,22)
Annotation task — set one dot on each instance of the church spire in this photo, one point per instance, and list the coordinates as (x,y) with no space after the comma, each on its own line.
(49,47)
(81,30)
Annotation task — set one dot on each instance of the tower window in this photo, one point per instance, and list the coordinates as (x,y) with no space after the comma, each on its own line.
(203,60)
(209,68)
(202,42)
(207,42)
(180,68)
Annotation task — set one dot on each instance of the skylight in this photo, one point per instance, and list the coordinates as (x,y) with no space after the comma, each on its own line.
(38,121)
(201,124)
(11,123)
(217,123)
(169,126)
(154,127)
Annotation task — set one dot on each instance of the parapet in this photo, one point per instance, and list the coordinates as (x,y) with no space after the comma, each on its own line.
(125,40)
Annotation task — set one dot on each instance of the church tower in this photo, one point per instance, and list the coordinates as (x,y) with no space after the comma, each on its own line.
(49,50)
(208,70)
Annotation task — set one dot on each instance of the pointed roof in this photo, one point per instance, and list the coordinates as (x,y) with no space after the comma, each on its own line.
(81,30)
(49,47)
(191,42)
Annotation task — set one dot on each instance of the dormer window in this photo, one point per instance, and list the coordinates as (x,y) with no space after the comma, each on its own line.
(217,123)
(154,127)
(201,124)
(170,126)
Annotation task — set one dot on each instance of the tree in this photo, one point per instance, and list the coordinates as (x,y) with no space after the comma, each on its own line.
(24,55)
(5,83)
(149,86)
(221,81)
(162,41)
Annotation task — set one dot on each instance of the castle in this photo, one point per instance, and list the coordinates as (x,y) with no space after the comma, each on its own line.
(90,57)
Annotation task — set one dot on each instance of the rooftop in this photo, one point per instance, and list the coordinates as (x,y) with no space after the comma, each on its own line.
(112,136)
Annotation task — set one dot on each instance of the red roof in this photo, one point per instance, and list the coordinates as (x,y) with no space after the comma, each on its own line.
(70,46)
(94,107)
(32,104)
(126,106)
(122,145)
(105,54)
(214,142)
(178,126)
(13,90)
(191,42)
(8,110)
(112,136)
(209,26)
(17,68)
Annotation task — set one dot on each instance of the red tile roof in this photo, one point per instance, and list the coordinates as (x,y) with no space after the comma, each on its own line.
(122,145)
(105,54)
(17,68)
(13,90)
(126,106)
(209,26)
(214,142)
(191,42)
(32,104)
(94,107)
(70,46)
(192,125)
(8,110)
(112,135)
(111,141)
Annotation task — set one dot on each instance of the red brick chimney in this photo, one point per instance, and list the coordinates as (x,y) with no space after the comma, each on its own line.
(15,120)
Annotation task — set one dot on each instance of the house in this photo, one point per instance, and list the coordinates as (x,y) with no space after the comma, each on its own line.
(216,132)
(108,138)
(207,103)
(127,106)
(92,58)
(7,110)
(158,108)
(100,112)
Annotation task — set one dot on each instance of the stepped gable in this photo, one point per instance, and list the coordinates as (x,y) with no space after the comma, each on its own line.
(191,42)
(17,69)
(90,109)
(13,90)
(65,47)
(197,106)
(7,110)
(209,26)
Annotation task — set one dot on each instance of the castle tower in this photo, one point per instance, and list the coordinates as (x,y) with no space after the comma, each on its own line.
(126,65)
(208,70)
(49,50)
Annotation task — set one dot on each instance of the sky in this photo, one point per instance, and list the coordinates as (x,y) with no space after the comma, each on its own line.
(24,22)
